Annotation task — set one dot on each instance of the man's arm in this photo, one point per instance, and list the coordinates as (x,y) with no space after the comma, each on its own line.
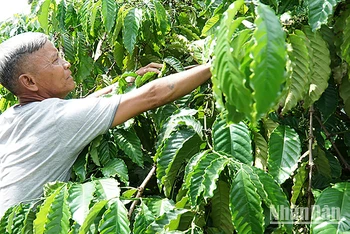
(160,92)
(151,67)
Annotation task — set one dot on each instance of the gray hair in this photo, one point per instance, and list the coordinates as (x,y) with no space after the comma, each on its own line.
(12,56)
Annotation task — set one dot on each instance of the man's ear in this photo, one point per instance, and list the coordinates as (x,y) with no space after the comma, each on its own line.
(28,82)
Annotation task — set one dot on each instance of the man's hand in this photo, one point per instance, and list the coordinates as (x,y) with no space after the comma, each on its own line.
(152,67)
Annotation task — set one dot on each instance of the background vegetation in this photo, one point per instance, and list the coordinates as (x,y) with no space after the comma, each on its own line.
(269,133)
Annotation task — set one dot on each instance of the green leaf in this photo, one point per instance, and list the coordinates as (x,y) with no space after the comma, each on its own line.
(61,14)
(174,63)
(163,223)
(45,208)
(328,102)
(109,9)
(116,166)
(284,153)
(298,182)
(319,10)
(261,151)
(211,25)
(159,206)
(80,167)
(68,47)
(203,176)
(93,149)
(269,59)
(344,92)
(245,205)
(59,214)
(226,74)
(115,219)
(79,199)
(143,219)
(90,218)
(322,163)
(272,195)
(131,26)
(95,8)
(211,175)
(331,211)
(192,163)
(19,218)
(321,71)
(233,139)
(180,146)
(28,222)
(161,17)
(183,117)
(43,16)
(220,210)
(118,54)
(129,142)
(107,189)
(301,70)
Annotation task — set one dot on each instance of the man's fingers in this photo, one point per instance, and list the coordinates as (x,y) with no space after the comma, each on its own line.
(151,67)
(154,65)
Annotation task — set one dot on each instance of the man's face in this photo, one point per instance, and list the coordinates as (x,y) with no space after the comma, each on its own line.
(51,72)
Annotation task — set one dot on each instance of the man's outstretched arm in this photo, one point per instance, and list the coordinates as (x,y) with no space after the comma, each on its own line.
(160,92)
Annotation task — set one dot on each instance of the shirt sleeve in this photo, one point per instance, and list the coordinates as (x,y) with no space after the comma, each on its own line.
(79,121)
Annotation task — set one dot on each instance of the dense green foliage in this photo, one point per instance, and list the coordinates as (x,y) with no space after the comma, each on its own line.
(268,133)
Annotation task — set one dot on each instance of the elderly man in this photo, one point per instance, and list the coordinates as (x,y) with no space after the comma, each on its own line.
(41,137)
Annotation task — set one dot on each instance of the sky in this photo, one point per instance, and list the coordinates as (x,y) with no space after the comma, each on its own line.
(10,7)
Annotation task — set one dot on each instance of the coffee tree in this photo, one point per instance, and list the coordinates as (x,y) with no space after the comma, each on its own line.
(260,148)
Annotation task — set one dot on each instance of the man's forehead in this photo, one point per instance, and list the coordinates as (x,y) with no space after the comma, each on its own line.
(47,51)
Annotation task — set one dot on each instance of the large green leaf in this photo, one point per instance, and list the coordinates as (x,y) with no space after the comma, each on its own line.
(143,219)
(43,16)
(80,196)
(270,193)
(109,10)
(163,222)
(220,210)
(159,206)
(233,139)
(59,215)
(202,179)
(107,189)
(344,92)
(116,166)
(331,211)
(131,26)
(261,151)
(284,153)
(328,102)
(301,70)
(211,25)
(298,182)
(245,205)
(129,142)
(226,74)
(320,71)
(115,219)
(90,218)
(182,117)
(319,10)
(161,17)
(17,221)
(180,145)
(269,61)
(45,208)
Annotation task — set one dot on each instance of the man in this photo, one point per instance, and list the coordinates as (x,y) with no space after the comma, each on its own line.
(41,137)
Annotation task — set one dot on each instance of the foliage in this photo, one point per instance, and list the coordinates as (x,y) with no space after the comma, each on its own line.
(268,134)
